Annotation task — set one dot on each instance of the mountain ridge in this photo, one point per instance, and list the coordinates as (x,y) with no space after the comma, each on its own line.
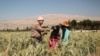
(50,19)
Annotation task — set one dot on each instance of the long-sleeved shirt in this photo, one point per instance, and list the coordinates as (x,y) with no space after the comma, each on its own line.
(37,31)
(65,34)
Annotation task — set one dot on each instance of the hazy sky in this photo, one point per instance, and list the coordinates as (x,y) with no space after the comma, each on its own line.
(14,9)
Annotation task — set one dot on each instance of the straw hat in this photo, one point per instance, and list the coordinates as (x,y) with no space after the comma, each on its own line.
(65,23)
(40,18)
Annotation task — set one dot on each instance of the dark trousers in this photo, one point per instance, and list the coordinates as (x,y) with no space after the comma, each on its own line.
(35,41)
(39,39)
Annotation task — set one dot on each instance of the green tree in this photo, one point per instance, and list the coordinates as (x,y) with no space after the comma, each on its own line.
(73,24)
(86,24)
(17,29)
(27,28)
(96,25)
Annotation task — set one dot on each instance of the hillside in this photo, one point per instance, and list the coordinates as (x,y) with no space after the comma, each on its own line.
(49,20)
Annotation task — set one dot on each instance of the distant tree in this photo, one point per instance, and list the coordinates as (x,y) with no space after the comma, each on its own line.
(96,25)
(27,28)
(86,24)
(73,23)
(8,29)
(17,29)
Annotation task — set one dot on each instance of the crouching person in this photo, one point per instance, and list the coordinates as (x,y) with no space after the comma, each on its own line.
(54,37)
(65,32)
(37,32)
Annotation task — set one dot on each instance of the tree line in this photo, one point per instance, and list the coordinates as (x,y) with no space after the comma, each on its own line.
(85,25)
(74,24)
(17,29)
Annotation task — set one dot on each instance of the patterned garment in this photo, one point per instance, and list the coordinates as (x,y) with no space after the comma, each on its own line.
(54,37)
(54,41)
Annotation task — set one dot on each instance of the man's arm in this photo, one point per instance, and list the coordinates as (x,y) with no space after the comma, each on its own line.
(39,28)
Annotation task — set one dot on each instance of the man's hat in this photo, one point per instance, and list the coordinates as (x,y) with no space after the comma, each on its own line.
(40,18)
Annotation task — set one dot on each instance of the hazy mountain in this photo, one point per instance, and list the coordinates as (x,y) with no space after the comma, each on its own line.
(49,20)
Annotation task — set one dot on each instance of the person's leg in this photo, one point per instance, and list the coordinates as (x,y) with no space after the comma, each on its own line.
(39,39)
(34,42)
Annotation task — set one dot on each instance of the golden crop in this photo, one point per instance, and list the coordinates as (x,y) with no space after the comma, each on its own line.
(20,44)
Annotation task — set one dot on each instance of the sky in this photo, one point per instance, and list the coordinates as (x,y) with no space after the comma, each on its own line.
(15,9)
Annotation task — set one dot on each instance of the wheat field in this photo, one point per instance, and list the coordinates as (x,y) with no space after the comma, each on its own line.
(20,44)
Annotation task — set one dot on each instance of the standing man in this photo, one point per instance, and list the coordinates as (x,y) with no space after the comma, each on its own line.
(37,31)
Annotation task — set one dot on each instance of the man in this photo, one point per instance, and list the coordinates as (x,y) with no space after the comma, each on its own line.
(38,31)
